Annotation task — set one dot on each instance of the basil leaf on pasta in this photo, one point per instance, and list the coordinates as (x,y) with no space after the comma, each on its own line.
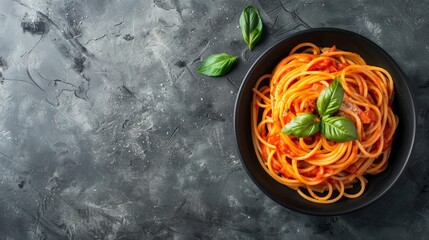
(217,64)
(303,125)
(331,98)
(339,129)
(251,25)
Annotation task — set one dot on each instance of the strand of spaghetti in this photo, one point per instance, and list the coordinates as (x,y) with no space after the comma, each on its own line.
(307,147)
(312,46)
(311,153)
(257,151)
(352,56)
(348,161)
(362,189)
(383,73)
(271,171)
(367,154)
(379,167)
(261,95)
(291,76)
(341,155)
(255,130)
(340,194)
(319,198)
(324,159)
(301,178)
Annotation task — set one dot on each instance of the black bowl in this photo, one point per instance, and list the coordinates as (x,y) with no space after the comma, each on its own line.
(403,106)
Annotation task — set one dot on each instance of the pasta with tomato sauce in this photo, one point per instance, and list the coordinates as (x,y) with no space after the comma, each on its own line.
(319,169)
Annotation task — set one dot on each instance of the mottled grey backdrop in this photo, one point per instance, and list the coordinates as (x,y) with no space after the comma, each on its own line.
(108,132)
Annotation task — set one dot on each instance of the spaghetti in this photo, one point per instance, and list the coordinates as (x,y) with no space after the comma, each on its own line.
(321,170)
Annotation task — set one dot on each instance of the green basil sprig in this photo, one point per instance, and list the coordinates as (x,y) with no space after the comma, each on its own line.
(251,25)
(339,129)
(217,64)
(330,99)
(303,125)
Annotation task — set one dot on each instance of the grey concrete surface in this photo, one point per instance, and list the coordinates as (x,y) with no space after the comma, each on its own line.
(107,131)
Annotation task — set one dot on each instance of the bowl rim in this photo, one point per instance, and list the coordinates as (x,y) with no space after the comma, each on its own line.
(268,50)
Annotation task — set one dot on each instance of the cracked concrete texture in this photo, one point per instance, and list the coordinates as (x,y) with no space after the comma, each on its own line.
(108,131)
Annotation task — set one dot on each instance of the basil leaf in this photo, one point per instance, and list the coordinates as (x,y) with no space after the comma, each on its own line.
(330,99)
(303,125)
(217,64)
(251,25)
(339,129)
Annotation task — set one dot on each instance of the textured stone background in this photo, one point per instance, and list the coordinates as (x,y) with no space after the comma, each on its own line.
(108,132)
